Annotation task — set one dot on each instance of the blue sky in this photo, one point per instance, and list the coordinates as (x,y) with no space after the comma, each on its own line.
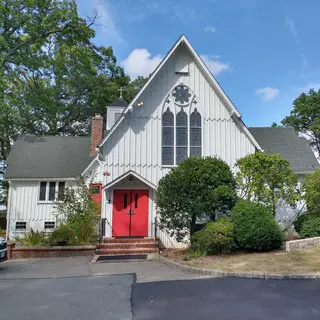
(263,52)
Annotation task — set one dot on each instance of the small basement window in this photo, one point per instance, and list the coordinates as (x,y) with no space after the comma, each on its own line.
(49,224)
(21,225)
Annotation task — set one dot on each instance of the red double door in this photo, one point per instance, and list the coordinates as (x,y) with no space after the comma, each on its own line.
(130,213)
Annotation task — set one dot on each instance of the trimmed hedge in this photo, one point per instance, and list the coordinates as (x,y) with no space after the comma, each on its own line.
(308,225)
(255,227)
(215,237)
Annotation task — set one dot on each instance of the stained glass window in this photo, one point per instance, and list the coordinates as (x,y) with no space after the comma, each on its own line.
(167,137)
(195,134)
(181,136)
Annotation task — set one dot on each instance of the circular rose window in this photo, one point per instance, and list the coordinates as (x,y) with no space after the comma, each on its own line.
(182,95)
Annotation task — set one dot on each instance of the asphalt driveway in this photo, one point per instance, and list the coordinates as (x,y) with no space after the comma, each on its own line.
(227,299)
(73,288)
(94,297)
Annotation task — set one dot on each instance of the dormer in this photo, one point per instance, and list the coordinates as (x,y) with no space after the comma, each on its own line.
(114,111)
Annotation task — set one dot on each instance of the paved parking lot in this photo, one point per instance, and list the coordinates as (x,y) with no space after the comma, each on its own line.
(73,288)
(93,297)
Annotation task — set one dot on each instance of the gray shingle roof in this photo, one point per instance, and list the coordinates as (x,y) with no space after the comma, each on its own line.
(286,142)
(48,157)
(120,102)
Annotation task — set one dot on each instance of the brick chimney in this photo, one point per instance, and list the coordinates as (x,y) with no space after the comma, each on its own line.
(96,133)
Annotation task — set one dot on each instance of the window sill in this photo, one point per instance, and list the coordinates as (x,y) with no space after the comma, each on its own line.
(49,202)
(168,166)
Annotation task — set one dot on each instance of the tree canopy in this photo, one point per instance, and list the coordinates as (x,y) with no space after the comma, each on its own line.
(311,186)
(52,75)
(305,117)
(267,179)
(196,188)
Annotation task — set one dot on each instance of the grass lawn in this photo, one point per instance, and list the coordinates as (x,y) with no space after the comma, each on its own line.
(278,262)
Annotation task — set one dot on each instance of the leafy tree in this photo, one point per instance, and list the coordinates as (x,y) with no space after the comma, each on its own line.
(52,76)
(305,117)
(194,189)
(274,125)
(311,187)
(267,179)
(78,211)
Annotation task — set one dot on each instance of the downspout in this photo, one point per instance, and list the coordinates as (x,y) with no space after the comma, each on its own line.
(8,211)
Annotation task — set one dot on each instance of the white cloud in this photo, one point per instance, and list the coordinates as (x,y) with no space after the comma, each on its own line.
(140,63)
(210,29)
(215,64)
(267,93)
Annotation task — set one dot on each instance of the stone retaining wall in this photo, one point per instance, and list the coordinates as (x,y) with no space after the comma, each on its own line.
(48,252)
(302,244)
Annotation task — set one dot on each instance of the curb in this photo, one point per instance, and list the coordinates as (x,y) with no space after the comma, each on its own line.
(247,275)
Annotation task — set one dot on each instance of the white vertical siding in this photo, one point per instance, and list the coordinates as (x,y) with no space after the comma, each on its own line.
(24,206)
(136,143)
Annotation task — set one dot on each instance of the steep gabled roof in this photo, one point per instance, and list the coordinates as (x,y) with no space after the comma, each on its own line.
(48,157)
(286,142)
(214,82)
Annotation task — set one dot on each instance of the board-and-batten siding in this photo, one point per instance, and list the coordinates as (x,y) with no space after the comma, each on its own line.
(136,143)
(23,205)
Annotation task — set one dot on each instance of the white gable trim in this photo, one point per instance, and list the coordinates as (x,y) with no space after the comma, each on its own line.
(214,82)
(127,174)
(96,158)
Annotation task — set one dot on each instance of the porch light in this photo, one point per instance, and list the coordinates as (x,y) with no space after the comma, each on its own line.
(140,104)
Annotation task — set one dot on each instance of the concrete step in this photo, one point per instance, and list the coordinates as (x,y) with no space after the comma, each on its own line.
(128,240)
(126,251)
(127,245)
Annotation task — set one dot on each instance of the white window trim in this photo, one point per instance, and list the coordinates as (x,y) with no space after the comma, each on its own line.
(47,201)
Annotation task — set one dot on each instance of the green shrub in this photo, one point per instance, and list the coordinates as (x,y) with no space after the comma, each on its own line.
(196,188)
(64,235)
(255,227)
(299,221)
(308,225)
(215,237)
(33,239)
(84,228)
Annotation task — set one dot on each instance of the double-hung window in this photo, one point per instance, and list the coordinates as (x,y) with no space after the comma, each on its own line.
(51,191)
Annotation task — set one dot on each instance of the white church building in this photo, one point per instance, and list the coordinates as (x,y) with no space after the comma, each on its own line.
(180,112)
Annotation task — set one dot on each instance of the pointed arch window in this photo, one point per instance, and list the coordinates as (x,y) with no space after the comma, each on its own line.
(195,134)
(168,138)
(181,136)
